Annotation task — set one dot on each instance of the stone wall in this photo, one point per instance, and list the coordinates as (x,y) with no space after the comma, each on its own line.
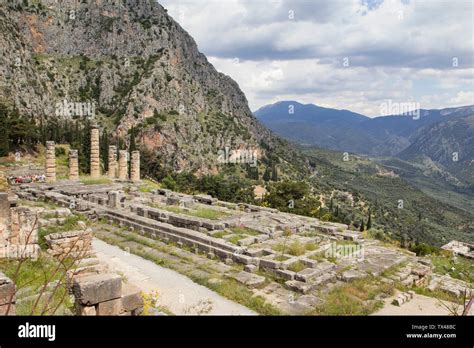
(20,238)
(77,244)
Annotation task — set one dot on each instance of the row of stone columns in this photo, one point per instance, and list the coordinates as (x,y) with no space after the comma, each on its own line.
(116,169)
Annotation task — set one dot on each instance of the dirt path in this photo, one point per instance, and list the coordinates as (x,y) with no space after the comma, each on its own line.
(176,292)
(419,305)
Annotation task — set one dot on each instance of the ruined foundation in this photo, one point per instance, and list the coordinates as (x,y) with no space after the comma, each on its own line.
(50,162)
(95,153)
(73,165)
(123,165)
(135,166)
(112,162)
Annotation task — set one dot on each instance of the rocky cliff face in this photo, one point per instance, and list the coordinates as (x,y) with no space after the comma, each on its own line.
(130,64)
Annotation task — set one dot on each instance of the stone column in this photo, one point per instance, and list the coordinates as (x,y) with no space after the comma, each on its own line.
(112,162)
(95,152)
(135,166)
(73,165)
(123,165)
(50,162)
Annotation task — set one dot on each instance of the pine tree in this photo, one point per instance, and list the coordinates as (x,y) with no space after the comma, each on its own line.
(104,151)
(132,147)
(266,174)
(330,205)
(4,138)
(274,173)
(369,220)
(361,225)
(255,173)
(84,156)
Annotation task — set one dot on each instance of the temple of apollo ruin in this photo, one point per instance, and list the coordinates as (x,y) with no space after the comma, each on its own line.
(118,168)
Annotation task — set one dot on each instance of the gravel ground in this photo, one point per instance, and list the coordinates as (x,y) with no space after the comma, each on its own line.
(419,305)
(176,292)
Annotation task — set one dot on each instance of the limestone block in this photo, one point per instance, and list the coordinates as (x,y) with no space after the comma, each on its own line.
(250,268)
(112,307)
(131,298)
(298,286)
(249,279)
(85,310)
(351,275)
(92,289)
(7,289)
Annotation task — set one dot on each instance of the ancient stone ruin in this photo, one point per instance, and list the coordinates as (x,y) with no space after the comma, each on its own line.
(18,231)
(95,152)
(50,162)
(135,166)
(73,165)
(123,165)
(112,162)
(105,294)
(76,244)
(460,248)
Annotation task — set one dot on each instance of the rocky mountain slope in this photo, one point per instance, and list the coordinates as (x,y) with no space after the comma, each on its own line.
(449,147)
(130,65)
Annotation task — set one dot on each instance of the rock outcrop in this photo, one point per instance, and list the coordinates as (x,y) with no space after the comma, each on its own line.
(127,64)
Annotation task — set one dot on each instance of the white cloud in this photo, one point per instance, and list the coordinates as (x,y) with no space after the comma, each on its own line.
(397,50)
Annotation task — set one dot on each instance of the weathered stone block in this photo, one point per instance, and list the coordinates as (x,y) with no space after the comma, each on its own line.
(92,289)
(7,290)
(243,259)
(131,298)
(112,307)
(249,279)
(85,310)
(298,286)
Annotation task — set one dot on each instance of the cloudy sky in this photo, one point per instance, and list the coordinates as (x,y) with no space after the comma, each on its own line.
(345,54)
